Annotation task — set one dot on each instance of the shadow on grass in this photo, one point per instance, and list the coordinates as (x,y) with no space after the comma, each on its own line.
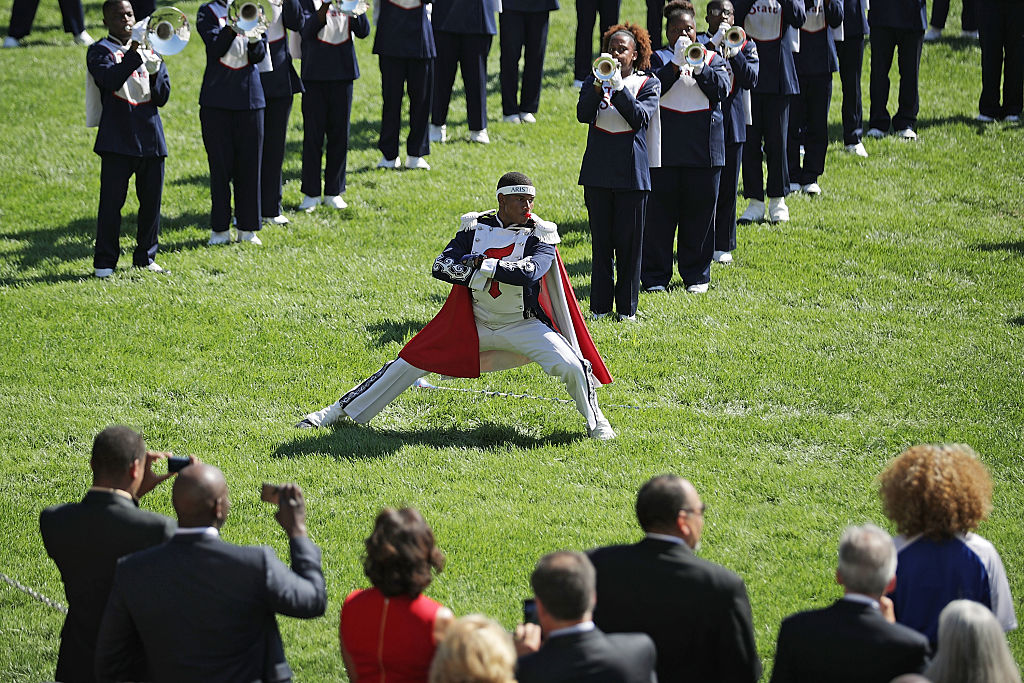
(1016,322)
(357,442)
(1013,247)
(389,331)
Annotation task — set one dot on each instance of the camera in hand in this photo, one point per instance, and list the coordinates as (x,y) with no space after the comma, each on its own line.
(270,493)
(176,463)
(530,611)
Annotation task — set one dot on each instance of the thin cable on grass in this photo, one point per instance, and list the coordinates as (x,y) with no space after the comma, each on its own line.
(424,384)
(34,593)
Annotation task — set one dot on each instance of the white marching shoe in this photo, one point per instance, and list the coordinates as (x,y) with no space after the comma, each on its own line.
(858,149)
(906,134)
(84,38)
(103,273)
(811,189)
(602,431)
(511,118)
(279,219)
(754,212)
(335,201)
(932,34)
(219,237)
(390,163)
(702,288)
(876,133)
(479,136)
(417,163)
(577,85)
(155,267)
(12,42)
(308,203)
(438,133)
(982,118)
(527,117)
(723,257)
(249,236)
(778,212)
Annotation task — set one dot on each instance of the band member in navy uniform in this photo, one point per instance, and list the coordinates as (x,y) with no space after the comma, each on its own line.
(523,25)
(510,293)
(615,173)
(404,45)
(587,12)
(463,31)
(808,118)
(1001,24)
(279,84)
(329,68)
(772,24)
(895,25)
(742,64)
(684,189)
(23,13)
(968,19)
(850,51)
(132,84)
(655,11)
(231,108)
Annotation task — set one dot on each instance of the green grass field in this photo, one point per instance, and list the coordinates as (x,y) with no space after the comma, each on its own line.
(887,312)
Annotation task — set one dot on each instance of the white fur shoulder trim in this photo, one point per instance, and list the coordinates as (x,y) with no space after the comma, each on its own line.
(546,231)
(468,220)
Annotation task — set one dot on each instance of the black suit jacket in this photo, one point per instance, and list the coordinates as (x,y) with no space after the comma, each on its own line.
(846,642)
(200,609)
(86,540)
(696,611)
(590,656)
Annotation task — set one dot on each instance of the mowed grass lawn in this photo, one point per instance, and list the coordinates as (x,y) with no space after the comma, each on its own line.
(887,312)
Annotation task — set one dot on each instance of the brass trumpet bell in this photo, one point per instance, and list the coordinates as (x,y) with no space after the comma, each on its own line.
(167,31)
(605,67)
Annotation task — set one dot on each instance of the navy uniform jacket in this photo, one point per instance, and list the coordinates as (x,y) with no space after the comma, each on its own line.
(529,5)
(692,124)
(766,21)
(465,16)
(855,22)
(282,81)
(743,69)
(817,56)
(327,50)
(231,80)
(403,30)
(905,14)
(617,159)
(525,273)
(130,122)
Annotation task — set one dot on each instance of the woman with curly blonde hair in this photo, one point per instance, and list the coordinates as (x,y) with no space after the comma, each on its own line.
(474,650)
(936,495)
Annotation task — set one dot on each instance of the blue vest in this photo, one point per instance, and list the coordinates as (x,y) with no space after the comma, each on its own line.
(327,50)
(231,79)
(465,16)
(743,72)
(692,124)
(403,30)
(769,22)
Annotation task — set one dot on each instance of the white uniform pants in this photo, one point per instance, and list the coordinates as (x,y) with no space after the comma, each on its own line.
(529,337)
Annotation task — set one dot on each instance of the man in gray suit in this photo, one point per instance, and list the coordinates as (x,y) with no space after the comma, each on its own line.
(87,538)
(200,609)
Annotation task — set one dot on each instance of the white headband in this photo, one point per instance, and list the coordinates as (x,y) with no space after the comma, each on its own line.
(518,189)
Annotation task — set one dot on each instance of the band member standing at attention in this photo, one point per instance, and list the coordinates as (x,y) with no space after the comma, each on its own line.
(463,31)
(772,24)
(231,114)
(615,173)
(850,51)
(1001,23)
(808,120)
(404,45)
(279,85)
(523,24)
(742,64)
(684,190)
(329,68)
(895,25)
(586,15)
(968,19)
(133,83)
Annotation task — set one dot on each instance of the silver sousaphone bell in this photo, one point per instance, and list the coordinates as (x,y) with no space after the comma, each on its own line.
(605,67)
(167,31)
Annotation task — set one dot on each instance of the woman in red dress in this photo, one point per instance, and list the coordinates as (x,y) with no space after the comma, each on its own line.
(389,632)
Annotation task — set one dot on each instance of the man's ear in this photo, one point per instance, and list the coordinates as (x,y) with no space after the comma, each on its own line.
(891,586)
(839,578)
(133,469)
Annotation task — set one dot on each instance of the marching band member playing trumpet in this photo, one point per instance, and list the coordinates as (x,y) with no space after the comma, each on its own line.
(404,45)
(133,83)
(279,85)
(329,68)
(808,119)
(684,190)
(231,114)
(769,22)
(742,63)
(615,173)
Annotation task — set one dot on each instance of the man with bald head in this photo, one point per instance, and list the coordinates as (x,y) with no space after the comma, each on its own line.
(198,608)
(697,612)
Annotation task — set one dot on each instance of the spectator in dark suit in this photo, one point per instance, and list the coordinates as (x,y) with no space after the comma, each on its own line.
(697,612)
(200,609)
(86,539)
(574,649)
(856,639)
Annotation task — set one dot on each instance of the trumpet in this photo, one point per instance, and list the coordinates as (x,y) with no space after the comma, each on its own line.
(247,15)
(605,67)
(695,54)
(352,8)
(735,37)
(167,31)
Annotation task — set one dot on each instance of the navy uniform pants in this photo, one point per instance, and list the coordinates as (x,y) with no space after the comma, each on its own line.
(808,125)
(617,233)
(770,123)
(725,210)
(586,14)
(234,150)
(115,172)
(23,13)
(968,14)
(884,43)
(851,64)
(275,132)
(326,111)
(683,198)
(397,74)
(654,20)
(466,51)
(519,31)
(1000,29)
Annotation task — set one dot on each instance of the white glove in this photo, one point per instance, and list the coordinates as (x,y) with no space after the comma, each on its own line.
(616,81)
(256,35)
(679,51)
(694,70)
(139,31)
(719,36)
(152,62)
(730,52)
